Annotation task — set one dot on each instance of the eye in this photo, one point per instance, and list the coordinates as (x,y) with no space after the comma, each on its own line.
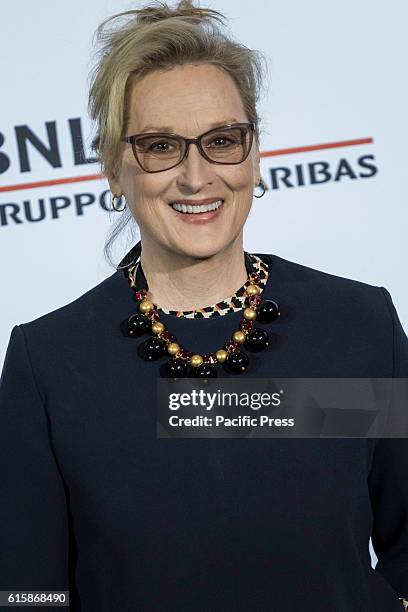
(160,146)
(156,145)
(221,141)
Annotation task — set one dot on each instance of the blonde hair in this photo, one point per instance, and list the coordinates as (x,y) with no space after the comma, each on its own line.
(154,37)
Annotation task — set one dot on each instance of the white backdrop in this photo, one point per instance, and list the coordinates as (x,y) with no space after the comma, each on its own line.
(338,89)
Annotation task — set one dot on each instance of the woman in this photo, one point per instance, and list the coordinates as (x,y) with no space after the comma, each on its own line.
(93,501)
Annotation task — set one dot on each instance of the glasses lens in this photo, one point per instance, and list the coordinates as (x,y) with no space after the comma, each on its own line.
(157,152)
(227,145)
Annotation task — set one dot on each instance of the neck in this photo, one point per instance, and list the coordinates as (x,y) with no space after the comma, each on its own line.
(182,282)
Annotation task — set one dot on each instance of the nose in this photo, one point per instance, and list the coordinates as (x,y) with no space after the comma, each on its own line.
(195,171)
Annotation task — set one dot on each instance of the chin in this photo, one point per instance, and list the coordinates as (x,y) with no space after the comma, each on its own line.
(203,251)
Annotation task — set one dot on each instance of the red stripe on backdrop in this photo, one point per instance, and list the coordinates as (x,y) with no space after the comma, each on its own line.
(61,181)
(318,147)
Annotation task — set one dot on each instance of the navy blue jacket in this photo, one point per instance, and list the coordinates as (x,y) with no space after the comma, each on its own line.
(92,501)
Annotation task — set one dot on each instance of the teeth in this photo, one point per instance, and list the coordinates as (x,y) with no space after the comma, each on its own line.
(194,210)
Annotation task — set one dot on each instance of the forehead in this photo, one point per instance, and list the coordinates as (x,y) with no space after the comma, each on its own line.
(189,99)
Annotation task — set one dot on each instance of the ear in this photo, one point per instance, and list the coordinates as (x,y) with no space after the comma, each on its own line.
(257,164)
(114,184)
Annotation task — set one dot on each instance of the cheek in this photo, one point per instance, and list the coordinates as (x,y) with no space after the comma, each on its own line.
(243,177)
(148,213)
(242,198)
(144,194)
(243,188)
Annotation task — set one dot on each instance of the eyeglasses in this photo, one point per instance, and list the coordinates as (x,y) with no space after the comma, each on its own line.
(158,151)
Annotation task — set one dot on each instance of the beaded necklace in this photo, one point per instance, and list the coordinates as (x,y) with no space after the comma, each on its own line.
(187,363)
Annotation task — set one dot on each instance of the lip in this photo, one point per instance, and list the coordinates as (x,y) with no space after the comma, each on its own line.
(197,202)
(198,218)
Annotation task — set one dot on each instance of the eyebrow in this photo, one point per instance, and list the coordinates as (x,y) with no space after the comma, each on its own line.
(170,129)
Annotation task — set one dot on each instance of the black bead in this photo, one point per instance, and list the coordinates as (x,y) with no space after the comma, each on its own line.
(267,311)
(237,362)
(138,324)
(205,370)
(176,368)
(257,339)
(154,348)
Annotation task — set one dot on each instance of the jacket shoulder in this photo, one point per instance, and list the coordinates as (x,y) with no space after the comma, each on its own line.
(333,297)
(89,305)
(294,271)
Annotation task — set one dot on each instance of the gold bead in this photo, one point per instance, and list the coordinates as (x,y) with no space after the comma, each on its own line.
(173,348)
(249,314)
(146,306)
(252,290)
(158,327)
(221,355)
(239,336)
(196,360)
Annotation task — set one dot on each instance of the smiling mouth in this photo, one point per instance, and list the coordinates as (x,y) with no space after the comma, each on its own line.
(196,209)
